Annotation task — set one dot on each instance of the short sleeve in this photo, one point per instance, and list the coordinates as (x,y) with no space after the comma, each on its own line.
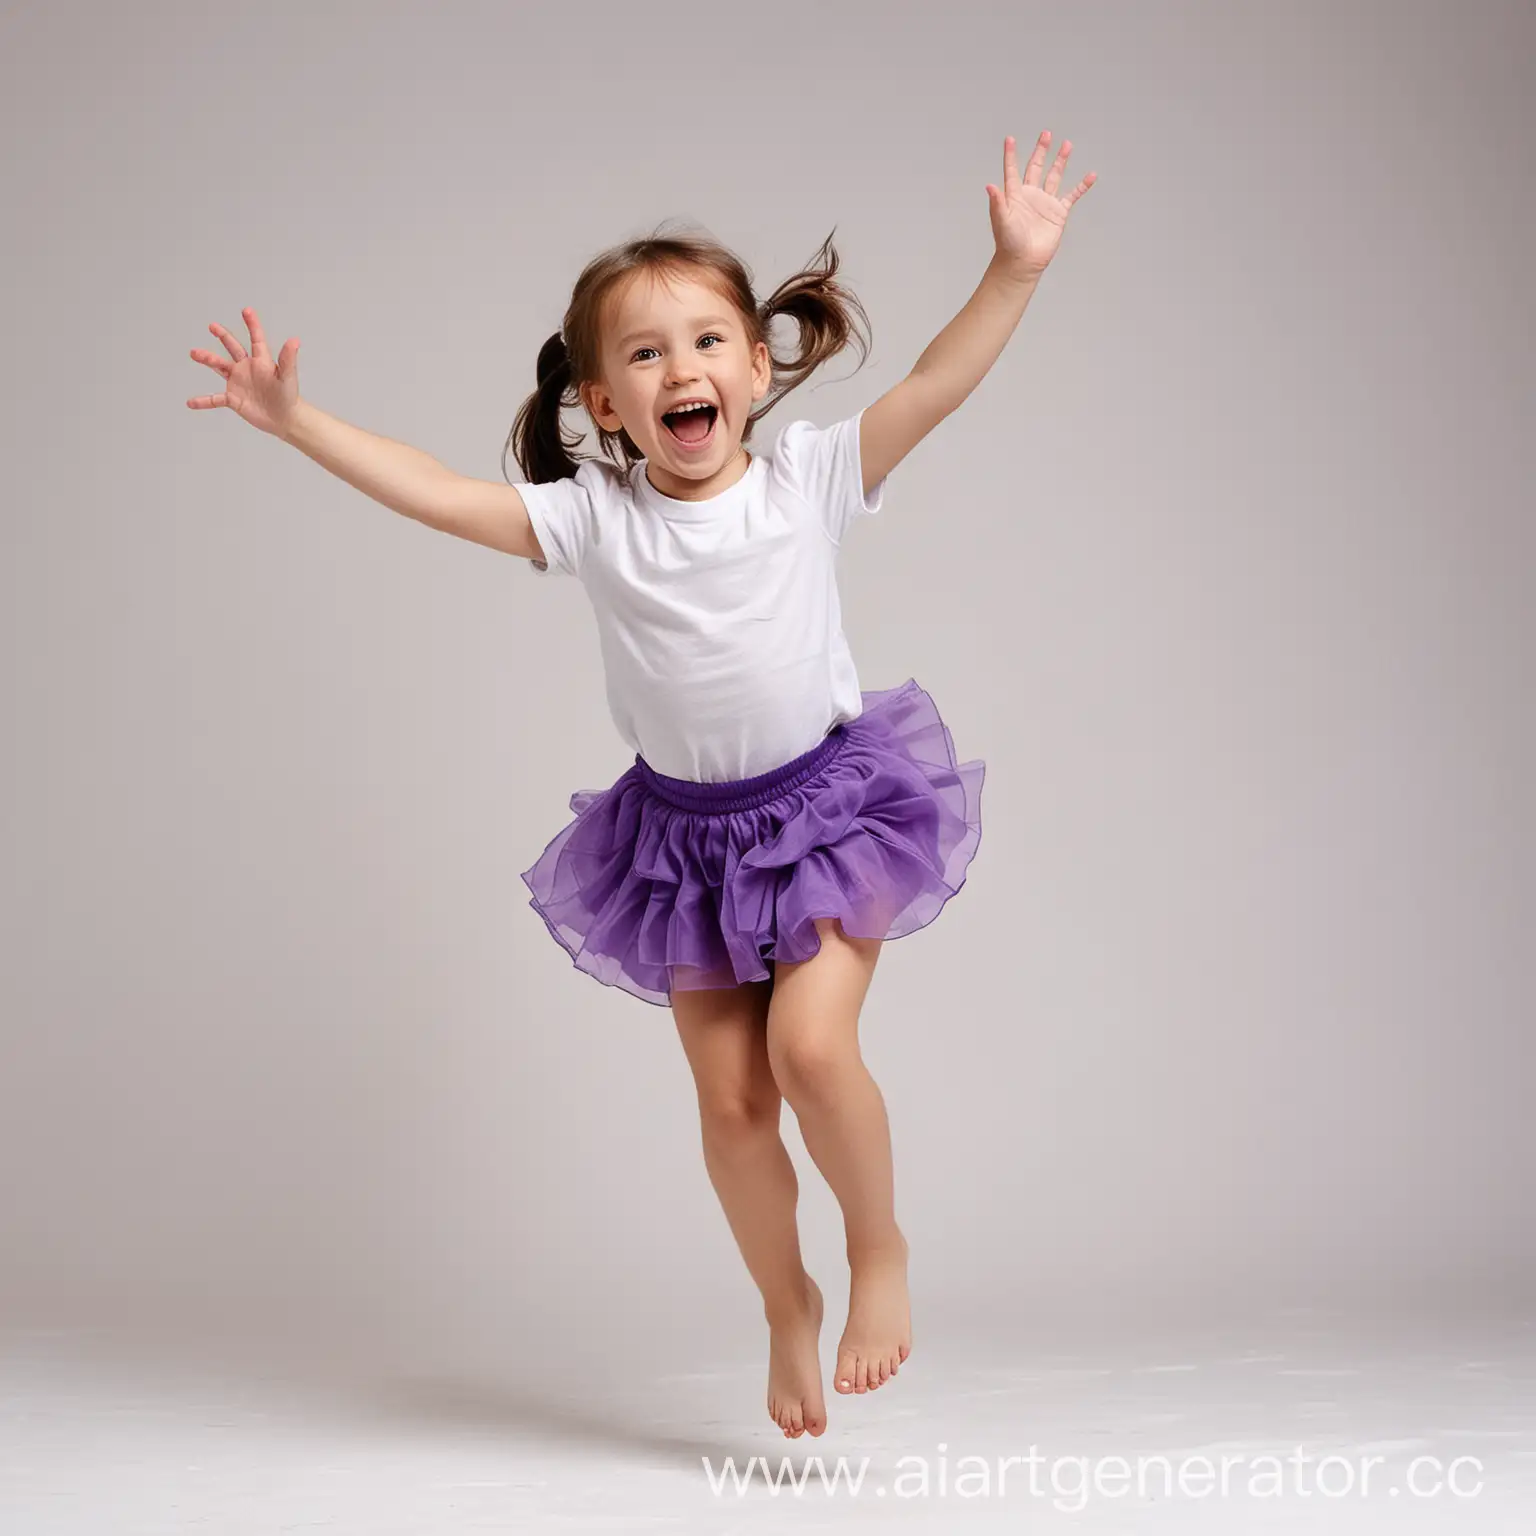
(824,467)
(562,513)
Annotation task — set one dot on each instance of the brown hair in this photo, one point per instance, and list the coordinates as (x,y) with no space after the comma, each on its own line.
(829,317)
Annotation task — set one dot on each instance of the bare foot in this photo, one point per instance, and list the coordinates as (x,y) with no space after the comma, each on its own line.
(795,1402)
(878,1336)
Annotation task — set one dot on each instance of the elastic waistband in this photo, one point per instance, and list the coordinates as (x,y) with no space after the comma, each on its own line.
(744,794)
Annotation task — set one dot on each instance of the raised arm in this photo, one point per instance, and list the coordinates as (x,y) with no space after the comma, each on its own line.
(414,484)
(1027,222)
(404,479)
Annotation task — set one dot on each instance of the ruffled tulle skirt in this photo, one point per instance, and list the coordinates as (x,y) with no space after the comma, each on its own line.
(664,884)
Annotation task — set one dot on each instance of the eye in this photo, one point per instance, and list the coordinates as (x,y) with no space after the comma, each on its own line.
(707,336)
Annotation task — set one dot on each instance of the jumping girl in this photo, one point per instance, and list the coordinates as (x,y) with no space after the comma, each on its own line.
(778,823)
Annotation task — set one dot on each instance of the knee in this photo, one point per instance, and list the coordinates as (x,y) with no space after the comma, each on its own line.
(808,1070)
(730,1118)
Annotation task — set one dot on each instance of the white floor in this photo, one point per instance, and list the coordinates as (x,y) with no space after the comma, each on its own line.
(109,1450)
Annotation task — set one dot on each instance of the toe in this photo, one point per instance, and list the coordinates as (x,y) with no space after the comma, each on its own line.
(847,1361)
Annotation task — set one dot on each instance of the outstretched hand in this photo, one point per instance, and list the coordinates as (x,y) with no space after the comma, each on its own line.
(265,393)
(1028,217)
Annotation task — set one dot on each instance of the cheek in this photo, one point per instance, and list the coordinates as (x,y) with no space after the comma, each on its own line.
(634,410)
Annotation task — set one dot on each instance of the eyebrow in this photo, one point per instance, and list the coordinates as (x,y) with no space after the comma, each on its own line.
(624,341)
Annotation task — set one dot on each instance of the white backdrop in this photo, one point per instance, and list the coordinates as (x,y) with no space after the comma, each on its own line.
(1225,570)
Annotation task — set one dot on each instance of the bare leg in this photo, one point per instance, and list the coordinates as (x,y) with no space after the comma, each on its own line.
(813,1044)
(724,1033)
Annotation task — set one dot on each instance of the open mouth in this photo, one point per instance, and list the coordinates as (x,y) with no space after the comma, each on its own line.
(693,428)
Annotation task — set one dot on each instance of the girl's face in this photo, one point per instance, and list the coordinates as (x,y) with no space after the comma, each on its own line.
(665,343)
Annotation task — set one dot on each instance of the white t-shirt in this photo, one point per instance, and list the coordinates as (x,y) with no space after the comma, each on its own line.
(719,620)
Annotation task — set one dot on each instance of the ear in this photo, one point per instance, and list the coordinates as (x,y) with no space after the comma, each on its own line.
(762,370)
(599,404)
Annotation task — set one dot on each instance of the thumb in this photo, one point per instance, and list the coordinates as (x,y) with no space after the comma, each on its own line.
(288,357)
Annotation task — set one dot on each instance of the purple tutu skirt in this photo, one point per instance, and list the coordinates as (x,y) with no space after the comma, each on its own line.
(662,884)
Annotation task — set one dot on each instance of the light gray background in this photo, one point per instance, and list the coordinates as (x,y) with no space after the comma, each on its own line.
(1225,569)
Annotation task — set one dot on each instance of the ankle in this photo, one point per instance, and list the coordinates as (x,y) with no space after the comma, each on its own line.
(790,1303)
(871,1248)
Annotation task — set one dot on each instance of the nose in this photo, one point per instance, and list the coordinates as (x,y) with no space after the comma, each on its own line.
(678,374)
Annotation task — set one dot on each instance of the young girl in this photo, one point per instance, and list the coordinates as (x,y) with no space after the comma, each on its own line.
(778,824)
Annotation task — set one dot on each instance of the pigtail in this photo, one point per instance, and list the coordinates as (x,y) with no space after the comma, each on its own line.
(829,316)
(539,443)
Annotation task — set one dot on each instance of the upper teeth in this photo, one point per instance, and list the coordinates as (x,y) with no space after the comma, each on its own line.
(692,405)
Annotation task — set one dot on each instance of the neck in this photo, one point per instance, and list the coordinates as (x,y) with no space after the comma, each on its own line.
(681,489)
